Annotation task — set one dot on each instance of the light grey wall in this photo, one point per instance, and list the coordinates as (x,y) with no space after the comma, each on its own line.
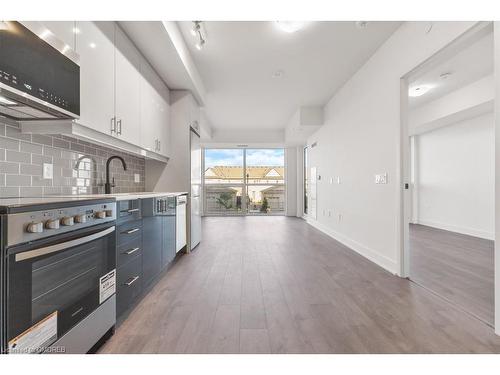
(22,156)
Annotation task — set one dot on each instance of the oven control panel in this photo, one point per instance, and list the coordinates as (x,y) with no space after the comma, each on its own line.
(30,226)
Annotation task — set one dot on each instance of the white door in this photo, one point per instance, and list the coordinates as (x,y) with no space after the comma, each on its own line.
(195,214)
(127,88)
(95,45)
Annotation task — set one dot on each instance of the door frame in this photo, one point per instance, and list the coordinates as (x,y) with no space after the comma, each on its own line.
(404,198)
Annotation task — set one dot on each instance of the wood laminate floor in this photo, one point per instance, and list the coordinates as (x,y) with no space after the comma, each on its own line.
(458,267)
(278,285)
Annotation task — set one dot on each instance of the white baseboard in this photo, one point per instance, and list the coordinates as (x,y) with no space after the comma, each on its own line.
(381,260)
(462,230)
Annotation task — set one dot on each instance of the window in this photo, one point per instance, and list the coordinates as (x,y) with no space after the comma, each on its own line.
(244,181)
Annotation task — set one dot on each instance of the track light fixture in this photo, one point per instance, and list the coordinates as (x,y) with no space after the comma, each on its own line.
(199,32)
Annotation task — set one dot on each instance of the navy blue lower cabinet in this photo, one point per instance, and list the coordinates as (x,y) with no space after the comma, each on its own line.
(152,243)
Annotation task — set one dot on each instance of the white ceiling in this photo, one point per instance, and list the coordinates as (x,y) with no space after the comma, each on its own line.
(239,59)
(467,66)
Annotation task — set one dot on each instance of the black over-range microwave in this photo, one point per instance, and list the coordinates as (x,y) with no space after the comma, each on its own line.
(39,74)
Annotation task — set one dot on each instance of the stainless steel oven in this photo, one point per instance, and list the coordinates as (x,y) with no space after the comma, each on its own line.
(55,282)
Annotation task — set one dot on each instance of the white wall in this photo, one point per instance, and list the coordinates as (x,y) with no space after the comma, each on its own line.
(456,177)
(361,138)
(466,102)
(497,175)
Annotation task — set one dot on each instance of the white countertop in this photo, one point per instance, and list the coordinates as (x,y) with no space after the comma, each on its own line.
(18,202)
(30,201)
(127,196)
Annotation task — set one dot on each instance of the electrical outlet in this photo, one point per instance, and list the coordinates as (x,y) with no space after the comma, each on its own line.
(137,178)
(381,178)
(48,171)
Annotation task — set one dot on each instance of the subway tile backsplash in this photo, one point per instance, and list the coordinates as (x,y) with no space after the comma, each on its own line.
(22,157)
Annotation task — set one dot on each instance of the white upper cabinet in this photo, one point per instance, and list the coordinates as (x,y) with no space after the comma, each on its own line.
(127,88)
(155,112)
(65,31)
(95,45)
(120,93)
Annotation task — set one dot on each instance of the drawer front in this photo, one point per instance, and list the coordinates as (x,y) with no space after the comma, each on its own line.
(129,284)
(128,251)
(129,210)
(128,231)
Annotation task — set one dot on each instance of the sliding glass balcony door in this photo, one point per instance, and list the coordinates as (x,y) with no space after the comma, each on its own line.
(244,181)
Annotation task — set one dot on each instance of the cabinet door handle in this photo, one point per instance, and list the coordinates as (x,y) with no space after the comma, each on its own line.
(132,280)
(132,231)
(119,124)
(132,210)
(113,125)
(131,251)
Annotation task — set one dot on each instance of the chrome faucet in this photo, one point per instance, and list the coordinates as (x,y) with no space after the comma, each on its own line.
(107,185)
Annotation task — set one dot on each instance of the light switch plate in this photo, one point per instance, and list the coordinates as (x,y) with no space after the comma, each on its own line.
(137,178)
(48,171)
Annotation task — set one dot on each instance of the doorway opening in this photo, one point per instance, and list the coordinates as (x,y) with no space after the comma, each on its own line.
(449,168)
(244,181)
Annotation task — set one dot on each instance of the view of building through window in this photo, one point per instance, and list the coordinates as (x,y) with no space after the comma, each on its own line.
(244,181)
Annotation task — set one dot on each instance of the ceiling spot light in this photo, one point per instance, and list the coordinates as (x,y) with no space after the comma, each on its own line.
(290,26)
(417,91)
(92,45)
(200,44)
(198,31)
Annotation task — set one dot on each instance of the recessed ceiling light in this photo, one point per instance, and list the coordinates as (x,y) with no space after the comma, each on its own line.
(278,74)
(92,45)
(361,24)
(290,26)
(416,91)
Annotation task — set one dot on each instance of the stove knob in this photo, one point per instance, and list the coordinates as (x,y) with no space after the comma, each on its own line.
(80,218)
(68,221)
(35,228)
(100,214)
(52,224)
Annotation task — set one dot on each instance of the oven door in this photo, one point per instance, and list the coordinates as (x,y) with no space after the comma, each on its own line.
(55,283)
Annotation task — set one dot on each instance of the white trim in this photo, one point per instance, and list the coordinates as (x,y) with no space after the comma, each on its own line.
(371,254)
(462,230)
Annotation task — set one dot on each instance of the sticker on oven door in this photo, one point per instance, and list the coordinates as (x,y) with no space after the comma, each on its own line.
(37,338)
(107,286)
